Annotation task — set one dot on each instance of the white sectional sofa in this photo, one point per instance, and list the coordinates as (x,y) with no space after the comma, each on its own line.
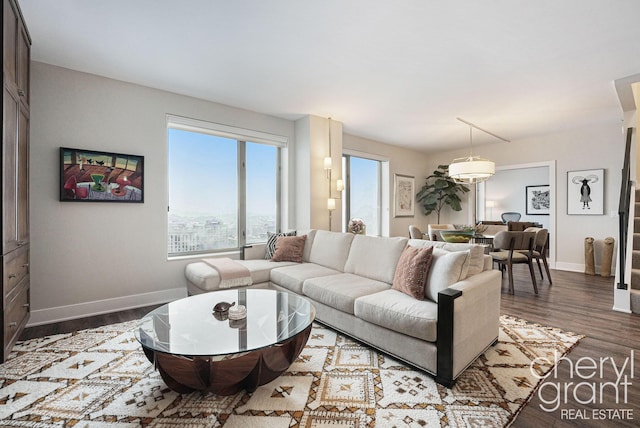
(349,280)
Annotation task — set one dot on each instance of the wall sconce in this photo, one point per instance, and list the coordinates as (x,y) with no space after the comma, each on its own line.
(327,164)
(331,204)
(339,185)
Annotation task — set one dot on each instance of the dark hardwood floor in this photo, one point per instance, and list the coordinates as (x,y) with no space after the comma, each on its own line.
(575,302)
(581,304)
(83,323)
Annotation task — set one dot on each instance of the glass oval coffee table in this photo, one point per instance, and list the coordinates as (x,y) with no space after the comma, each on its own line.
(195,348)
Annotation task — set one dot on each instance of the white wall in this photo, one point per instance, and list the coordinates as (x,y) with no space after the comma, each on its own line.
(601,146)
(508,190)
(93,257)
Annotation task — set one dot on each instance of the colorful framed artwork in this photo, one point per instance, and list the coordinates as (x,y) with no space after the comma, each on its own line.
(585,192)
(404,196)
(95,176)
(538,200)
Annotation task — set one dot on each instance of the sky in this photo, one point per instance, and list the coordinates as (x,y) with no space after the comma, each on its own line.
(203,177)
(364,190)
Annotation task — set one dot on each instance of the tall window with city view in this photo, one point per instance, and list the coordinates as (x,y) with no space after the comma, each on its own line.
(223,192)
(364,193)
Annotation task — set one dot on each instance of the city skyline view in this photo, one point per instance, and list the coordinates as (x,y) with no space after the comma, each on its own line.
(204,192)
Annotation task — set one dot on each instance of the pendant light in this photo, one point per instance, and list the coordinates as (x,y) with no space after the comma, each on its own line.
(472,169)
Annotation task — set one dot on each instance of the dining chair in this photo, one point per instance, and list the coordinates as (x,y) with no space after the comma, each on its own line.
(415,232)
(510,216)
(540,249)
(512,248)
(434,230)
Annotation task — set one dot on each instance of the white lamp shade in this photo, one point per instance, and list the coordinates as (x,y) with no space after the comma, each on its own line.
(339,185)
(327,163)
(471,169)
(490,204)
(331,204)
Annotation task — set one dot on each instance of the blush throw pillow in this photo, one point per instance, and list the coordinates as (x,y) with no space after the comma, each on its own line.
(289,249)
(271,243)
(412,271)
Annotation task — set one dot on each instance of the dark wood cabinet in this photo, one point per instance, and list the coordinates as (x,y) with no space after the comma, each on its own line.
(15,175)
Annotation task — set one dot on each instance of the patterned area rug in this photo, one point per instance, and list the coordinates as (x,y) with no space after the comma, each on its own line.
(100,378)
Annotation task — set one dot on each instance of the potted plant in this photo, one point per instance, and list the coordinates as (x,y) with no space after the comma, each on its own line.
(439,191)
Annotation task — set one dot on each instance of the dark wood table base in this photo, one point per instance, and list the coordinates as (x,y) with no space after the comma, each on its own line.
(228,375)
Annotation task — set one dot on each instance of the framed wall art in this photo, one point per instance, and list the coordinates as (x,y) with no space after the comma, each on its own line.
(404,195)
(585,192)
(94,176)
(538,200)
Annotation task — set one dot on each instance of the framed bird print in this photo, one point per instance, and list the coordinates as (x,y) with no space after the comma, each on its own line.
(94,176)
(585,192)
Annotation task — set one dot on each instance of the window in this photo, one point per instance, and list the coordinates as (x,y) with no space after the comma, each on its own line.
(261,191)
(223,187)
(363,194)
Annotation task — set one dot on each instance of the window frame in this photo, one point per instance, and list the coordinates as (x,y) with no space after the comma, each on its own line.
(242,136)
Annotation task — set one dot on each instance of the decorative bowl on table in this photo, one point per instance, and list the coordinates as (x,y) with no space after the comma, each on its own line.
(456,236)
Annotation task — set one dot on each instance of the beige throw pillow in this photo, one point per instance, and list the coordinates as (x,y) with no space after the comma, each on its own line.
(447,268)
(476,253)
(289,249)
(412,270)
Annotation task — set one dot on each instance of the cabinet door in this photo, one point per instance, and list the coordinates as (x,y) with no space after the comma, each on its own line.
(22,197)
(15,268)
(9,179)
(16,317)
(9,38)
(23,67)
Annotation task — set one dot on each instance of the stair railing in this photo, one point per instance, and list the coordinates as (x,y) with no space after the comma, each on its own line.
(623,208)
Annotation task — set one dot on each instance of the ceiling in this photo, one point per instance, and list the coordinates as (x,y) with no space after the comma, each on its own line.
(395,72)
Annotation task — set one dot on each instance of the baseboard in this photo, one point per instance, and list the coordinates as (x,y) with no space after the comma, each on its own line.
(570,267)
(97,307)
(579,267)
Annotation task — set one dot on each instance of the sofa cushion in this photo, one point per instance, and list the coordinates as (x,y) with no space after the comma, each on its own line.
(447,268)
(374,257)
(207,278)
(476,263)
(261,269)
(399,312)
(311,234)
(330,249)
(340,291)
(289,249)
(293,276)
(412,270)
(422,243)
